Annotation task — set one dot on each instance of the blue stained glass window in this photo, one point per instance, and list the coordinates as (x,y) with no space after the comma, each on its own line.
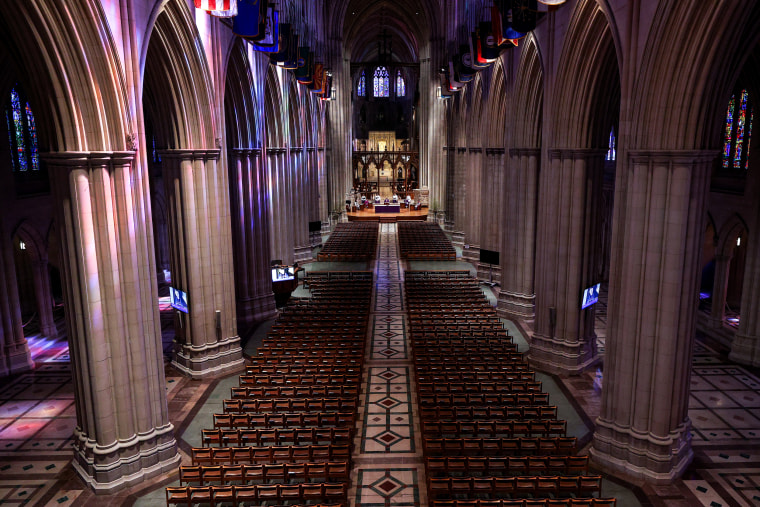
(740,130)
(10,140)
(749,138)
(18,127)
(32,138)
(400,84)
(727,137)
(611,152)
(362,85)
(380,82)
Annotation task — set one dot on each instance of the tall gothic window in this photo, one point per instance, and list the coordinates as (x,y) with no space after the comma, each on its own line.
(380,82)
(400,84)
(737,132)
(611,151)
(22,134)
(361,91)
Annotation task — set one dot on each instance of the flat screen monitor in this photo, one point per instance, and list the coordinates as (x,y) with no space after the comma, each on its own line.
(178,300)
(590,296)
(489,256)
(282,273)
(315,226)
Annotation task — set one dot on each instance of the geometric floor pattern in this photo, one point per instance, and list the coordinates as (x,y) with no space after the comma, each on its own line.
(388,459)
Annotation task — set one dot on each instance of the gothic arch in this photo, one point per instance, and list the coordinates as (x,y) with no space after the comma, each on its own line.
(689,68)
(528,97)
(474,120)
(273,111)
(295,129)
(588,81)
(67,59)
(176,81)
(240,105)
(35,243)
(732,228)
(495,121)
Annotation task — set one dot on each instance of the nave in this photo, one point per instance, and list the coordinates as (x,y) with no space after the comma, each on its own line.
(390,465)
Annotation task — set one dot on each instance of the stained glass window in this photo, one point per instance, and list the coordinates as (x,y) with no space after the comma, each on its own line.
(18,128)
(729,127)
(362,85)
(32,138)
(380,82)
(611,152)
(740,130)
(400,84)
(10,140)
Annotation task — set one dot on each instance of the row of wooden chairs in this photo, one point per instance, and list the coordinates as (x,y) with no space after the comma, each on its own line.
(529,502)
(497,466)
(300,369)
(351,241)
(424,241)
(464,365)
(295,420)
(544,486)
(516,446)
(256,495)
(258,437)
(485,386)
(505,428)
(489,413)
(495,376)
(332,390)
(275,405)
(299,381)
(271,454)
(483,399)
(279,473)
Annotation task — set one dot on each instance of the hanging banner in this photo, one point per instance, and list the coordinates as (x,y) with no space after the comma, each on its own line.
(219,8)
(318,82)
(305,71)
(454,85)
(473,40)
(327,93)
(250,21)
(488,50)
(271,41)
(463,64)
(501,22)
(524,14)
(286,44)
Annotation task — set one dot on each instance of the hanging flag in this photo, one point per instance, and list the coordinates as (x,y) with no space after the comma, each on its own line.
(498,30)
(488,51)
(286,41)
(463,65)
(305,71)
(271,41)
(318,82)
(524,15)
(445,87)
(327,93)
(506,29)
(218,8)
(250,21)
(473,40)
(454,85)
(291,61)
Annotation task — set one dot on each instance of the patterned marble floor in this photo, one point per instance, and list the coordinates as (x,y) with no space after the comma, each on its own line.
(388,457)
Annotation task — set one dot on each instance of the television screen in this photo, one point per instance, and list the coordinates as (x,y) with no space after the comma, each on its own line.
(489,257)
(315,226)
(178,300)
(590,296)
(282,273)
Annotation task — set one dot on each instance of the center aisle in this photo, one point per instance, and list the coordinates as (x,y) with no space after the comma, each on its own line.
(388,453)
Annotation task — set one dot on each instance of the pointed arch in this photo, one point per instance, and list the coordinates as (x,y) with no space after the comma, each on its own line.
(731,229)
(494,122)
(176,81)
(35,244)
(588,80)
(273,110)
(528,97)
(295,126)
(475,92)
(67,60)
(240,106)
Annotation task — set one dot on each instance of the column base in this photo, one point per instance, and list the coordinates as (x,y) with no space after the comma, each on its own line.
(642,456)
(110,468)
(471,254)
(457,238)
(256,309)
(745,350)
(202,361)
(315,239)
(513,305)
(18,359)
(487,272)
(303,254)
(557,356)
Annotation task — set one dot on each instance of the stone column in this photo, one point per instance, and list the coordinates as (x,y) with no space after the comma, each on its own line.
(315,238)
(14,349)
(123,433)
(44,298)
(745,348)
(517,296)
(660,211)
(301,200)
(720,287)
(472,203)
(569,198)
(491,201)
(253,285)
(458,187)
(324,208)
(198,202)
